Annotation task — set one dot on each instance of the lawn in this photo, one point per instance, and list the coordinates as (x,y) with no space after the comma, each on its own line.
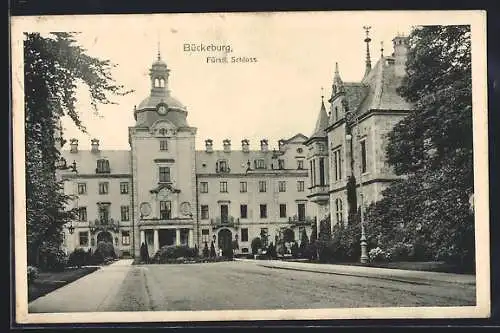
(429,266)
(50,281)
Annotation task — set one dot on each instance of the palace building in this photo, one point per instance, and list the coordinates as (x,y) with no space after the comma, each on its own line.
(162,191)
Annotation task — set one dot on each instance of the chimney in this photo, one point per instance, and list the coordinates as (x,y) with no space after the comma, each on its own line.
(281,144)
(95,145)
(245,145)
(74,145)
(227,145)
(264,146)
(209,145)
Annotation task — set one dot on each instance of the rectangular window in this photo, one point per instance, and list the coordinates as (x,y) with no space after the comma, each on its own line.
(313,171)
(300,164)
(164,174)
(124,187)
(262,186)
(337,164)
(103,187)
(263,211)
(282,210)
(83,238)
(204,187)
(243,187)
(301,210)
(205,235)
(244,234)
(82,188)
(322,171)
(243,211)
(300,186)
(125,237)
(163,145)
(165,210)
(224,213)
(104,214)
(125,213)
(82,214)
(363,156)
(281,164)
(223,187)
(282,186)
(204,212)
(260,164)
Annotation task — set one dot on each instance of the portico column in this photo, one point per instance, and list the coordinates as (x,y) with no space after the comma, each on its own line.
(190,238)
(143,238)
(177,236)
(156,240)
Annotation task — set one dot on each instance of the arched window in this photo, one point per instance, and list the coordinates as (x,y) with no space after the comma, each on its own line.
(339,210)
(157,82)
(162,83)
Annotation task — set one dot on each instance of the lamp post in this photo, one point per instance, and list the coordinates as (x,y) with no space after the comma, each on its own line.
(363,243)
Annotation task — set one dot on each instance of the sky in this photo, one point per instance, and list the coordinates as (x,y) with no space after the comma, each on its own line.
(276,97)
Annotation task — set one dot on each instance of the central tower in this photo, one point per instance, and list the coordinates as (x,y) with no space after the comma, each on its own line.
(163,168)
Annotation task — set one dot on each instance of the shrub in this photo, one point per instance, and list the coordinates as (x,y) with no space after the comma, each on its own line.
(401,251)
(32,274)
(271,251)
(295,250)
(256,245)
(53,258)
(78,258)
(206,251)
(103,253)
(379,255)
(173,252)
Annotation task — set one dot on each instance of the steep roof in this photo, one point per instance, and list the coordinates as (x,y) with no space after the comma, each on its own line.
(321,123)
(86,160)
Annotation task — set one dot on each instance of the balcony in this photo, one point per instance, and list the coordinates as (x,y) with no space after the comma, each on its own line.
(302,221)
(319,193)
(225,221)
(104,225)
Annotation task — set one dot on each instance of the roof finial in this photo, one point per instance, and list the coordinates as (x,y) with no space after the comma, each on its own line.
(367,41)
(322,94)
(159,52)
(382,49)
(336,68)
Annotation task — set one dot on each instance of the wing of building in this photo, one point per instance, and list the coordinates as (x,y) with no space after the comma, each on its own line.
(162,191)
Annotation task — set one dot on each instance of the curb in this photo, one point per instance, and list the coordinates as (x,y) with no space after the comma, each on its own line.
(410,280)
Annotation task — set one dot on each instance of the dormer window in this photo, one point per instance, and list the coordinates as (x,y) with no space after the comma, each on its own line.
(260,164)
(102,166)
(222,166)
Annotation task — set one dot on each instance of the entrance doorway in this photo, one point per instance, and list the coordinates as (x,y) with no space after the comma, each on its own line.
(225,238)
(166,237)
(105,236)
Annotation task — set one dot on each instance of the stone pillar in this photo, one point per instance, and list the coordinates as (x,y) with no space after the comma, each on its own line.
(190,238)
(156,240)
(177,236)
(143,237)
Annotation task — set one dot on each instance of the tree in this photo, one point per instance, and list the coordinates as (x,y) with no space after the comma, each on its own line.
(55,67)
(206,251)
(304,242)
(428,209)
(256,244)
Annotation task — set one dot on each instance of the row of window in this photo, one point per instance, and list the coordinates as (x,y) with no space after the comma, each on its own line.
(104,213)
(223,165)
(244,186)
(103,188)
(263,211)
(83,238)
(336,161)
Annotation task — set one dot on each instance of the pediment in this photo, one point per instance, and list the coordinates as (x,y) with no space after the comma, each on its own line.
(163,128)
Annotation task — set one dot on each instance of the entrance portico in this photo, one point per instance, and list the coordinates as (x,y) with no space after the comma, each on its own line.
(155,238)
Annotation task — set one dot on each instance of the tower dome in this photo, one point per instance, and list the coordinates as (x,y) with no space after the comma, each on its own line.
(160,104)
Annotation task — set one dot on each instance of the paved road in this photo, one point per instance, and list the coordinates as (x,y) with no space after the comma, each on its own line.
(246,285)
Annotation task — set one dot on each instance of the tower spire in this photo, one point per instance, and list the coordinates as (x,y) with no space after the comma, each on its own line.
(159,52)
(367,41)
(337,81)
